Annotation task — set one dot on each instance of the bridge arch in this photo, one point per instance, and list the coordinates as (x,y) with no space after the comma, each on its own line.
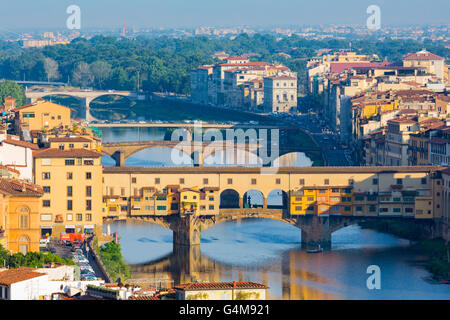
(229,199)
(292,158)
(177,156)
(254,198)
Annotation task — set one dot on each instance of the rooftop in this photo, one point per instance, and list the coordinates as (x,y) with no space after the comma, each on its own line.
(12,276)
(220,286)
(19,188)
(71,153)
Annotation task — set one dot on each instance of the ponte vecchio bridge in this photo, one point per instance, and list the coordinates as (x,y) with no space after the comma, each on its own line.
(233,183)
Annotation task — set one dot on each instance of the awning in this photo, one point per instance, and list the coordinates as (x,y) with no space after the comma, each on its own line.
(70,226)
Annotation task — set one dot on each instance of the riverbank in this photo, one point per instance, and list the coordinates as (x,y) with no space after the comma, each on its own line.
(436,250)
(110,255)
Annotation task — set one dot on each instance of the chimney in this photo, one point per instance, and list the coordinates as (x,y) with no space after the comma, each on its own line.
(234,284)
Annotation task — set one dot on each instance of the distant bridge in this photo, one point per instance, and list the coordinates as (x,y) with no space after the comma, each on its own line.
(196,150)
(84,96)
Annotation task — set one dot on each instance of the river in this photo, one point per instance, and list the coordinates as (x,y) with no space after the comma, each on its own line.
(269,251)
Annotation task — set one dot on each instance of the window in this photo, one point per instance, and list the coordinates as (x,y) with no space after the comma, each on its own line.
(88,191)
(70,162)
(46,203)
(157,181)
(399,181)
(211,198)
(211,207)
(298,208)
(230,181)
(88,162)
(253,181)
(71,146)
(24,221)
(88,204)
(372,208)
(45,175)
(88,175)
(310,198)
(133,180)
(69,191)
(350,182)
(302,182)
(69,175)
(374,181)
(88,217)
(181,180)
(424,180)
(46,189)
(69,205)
(205,181)
(278,181)
(46,217)
(79,217)
(358,209)
(326,182)
(69,217)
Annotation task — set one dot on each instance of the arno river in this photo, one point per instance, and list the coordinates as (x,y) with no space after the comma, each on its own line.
(269,251)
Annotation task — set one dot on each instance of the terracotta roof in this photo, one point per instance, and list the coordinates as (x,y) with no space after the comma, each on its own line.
(422,55)
(220,286)
(19,188)
(56,153)
(21,143)
(144,298)
(69,139)
(11,276)
(38,101)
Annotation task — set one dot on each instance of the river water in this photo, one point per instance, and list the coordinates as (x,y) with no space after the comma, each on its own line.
(269,252)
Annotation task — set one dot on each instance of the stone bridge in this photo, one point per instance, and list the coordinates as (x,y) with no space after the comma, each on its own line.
(85,97)
(197,151)
(315,230)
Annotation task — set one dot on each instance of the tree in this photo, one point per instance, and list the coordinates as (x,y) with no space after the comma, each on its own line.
(101,71)
(12,89)
(82,75)
(51,69)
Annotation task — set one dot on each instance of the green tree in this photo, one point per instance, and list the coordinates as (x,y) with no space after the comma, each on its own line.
(12,89)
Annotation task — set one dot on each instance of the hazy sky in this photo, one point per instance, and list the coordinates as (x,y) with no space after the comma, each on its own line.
(191,13)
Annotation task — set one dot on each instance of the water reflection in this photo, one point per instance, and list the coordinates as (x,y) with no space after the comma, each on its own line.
(269,252)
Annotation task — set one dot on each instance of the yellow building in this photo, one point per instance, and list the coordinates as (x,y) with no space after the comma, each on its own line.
(19,215)
(41,115)
(209,201)
(431,63)
(72,185)
(322,200)
(73,142)
(189,201)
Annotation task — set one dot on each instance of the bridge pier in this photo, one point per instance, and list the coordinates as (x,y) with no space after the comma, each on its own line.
(315,231)
(186,232)
(119,157)
(85,108)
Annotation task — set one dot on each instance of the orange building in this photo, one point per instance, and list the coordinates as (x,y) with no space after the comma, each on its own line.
(19,215)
